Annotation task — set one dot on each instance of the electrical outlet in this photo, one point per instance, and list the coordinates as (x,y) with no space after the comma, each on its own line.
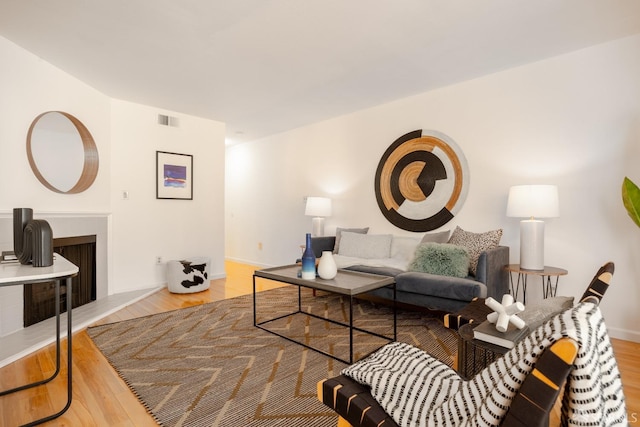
(259,246)
(158,260)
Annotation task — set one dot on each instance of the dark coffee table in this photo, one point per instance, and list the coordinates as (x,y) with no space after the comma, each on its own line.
(346,283)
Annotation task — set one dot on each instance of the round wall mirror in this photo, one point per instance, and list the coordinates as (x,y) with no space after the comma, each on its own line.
(62,153)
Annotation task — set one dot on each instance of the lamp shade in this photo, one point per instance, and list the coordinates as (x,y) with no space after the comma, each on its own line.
(533,201)
(318,206)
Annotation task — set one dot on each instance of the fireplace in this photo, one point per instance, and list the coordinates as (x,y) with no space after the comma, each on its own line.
(39,299)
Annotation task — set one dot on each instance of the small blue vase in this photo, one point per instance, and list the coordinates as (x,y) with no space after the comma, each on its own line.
(308,261)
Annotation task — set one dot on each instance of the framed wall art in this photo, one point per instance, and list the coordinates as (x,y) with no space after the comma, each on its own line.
(174,176)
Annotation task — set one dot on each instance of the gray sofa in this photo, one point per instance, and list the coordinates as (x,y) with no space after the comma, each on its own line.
(436,292)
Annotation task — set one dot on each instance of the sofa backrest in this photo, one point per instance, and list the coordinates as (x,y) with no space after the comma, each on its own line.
(324,243)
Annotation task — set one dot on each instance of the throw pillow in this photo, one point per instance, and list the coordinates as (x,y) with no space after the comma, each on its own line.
(475,243)
(441,258)
(436,237)
(339,230)
(370,246)
(404,248)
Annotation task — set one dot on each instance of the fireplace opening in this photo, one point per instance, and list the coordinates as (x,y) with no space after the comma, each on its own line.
(39,298)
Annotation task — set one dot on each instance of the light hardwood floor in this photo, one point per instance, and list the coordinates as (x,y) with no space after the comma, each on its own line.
(101,398)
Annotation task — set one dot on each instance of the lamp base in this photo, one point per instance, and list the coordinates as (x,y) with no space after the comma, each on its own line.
(317,224)
(532,244)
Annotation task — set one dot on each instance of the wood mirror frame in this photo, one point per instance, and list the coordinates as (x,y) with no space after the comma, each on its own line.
(90,167)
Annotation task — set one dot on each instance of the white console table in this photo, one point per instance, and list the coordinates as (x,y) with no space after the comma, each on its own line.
(16,274)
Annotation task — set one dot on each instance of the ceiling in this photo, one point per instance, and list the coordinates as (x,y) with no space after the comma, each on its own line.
(267,66)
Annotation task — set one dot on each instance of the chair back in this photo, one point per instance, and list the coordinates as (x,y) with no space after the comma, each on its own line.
(599,285)
(535,399)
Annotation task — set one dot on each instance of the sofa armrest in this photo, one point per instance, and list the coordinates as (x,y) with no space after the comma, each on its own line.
(491,271)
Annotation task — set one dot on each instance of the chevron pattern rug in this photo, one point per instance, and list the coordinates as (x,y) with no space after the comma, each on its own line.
(209,366)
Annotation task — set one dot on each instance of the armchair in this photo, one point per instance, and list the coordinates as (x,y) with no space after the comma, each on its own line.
(402,385)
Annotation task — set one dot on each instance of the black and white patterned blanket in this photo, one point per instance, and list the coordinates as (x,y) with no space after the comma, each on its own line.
(416,389)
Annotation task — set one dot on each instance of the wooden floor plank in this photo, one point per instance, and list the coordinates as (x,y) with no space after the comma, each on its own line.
(101,398)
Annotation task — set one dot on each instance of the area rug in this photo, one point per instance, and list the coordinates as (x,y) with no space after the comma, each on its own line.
(208,365)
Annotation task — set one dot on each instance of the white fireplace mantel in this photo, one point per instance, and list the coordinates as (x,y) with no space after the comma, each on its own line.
(63,224)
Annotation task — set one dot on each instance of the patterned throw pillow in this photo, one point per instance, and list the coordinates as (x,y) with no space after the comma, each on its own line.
(475,243)
(441,258)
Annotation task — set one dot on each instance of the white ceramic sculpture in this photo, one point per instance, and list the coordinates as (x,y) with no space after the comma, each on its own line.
(505,313)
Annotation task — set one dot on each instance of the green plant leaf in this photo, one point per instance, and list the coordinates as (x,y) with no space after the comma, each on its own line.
(631,199)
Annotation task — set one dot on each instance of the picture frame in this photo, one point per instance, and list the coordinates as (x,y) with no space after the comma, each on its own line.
(174,176)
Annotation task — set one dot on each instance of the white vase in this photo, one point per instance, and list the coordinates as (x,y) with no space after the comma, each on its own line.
(327,268)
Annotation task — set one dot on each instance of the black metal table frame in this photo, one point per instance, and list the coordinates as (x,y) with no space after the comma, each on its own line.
(299,311)
(548,289)
(68,283)
(472,351)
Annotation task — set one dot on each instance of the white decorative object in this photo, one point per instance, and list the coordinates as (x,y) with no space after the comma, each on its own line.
(318,207)
(327,268)
(505,313)
(529,201)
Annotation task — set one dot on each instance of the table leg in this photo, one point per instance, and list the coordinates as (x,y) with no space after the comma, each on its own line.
(514,291)
(57,370)
(350,329)
(549,290)
(69,353)
(522,278)
(254,301)
(462,357)
(69,344)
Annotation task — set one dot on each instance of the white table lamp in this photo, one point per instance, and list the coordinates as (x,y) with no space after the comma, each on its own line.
(318,208)
(532,201)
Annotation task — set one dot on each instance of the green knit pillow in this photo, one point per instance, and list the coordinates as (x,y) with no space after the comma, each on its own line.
(444,259)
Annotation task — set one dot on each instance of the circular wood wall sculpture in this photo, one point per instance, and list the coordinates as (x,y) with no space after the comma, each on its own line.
(421,181)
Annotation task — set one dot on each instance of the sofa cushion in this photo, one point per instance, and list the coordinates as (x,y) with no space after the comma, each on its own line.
(441,258)
(339,230)
(475,243)
(463,289)
(357,245)
(436,237)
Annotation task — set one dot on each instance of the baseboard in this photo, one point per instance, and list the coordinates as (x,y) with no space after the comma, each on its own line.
(248,262)
(624,334)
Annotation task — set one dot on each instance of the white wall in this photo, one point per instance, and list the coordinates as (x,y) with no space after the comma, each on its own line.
(29,87)
(573,120)
(127,137)
(145,227)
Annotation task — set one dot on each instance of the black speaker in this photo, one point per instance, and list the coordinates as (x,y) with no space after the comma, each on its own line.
(32,239)
(21,217)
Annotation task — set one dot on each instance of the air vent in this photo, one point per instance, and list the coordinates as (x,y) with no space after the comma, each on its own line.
(165,120)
